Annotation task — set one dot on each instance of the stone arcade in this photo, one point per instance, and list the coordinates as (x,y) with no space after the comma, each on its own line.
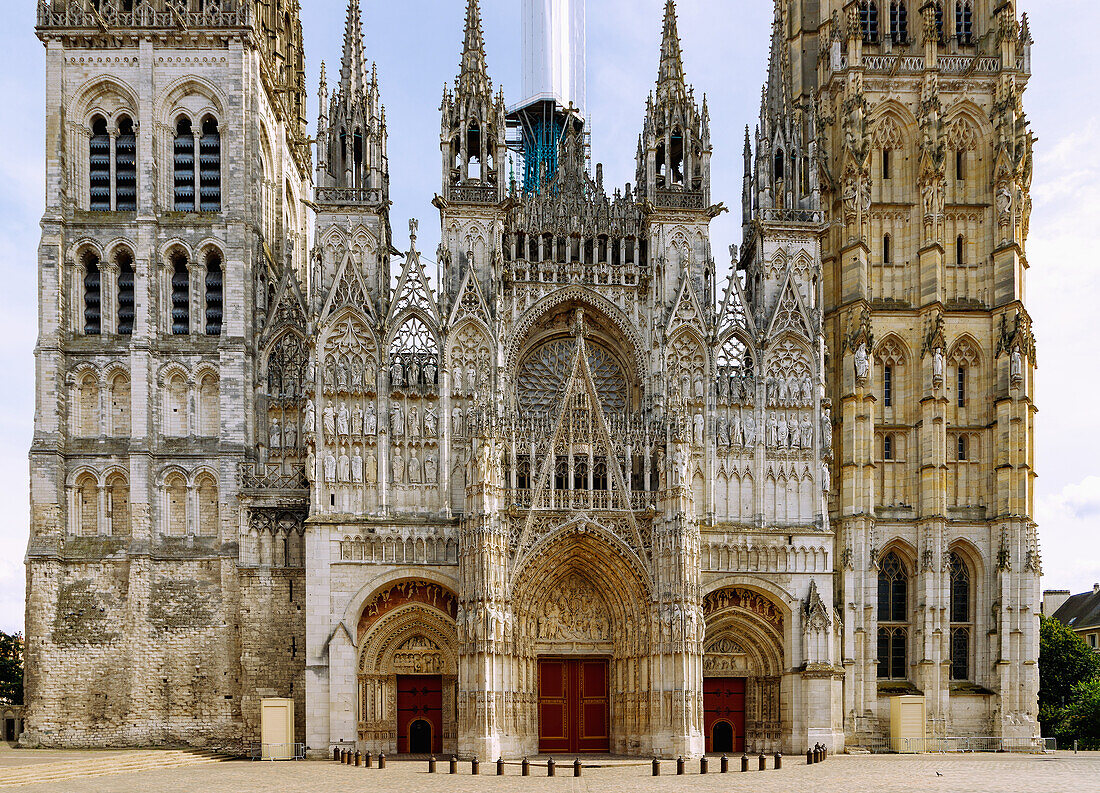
(577,492)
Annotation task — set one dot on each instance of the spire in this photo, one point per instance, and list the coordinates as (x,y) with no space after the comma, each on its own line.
(778,91)
(670,77)
(473,76)
(354,66)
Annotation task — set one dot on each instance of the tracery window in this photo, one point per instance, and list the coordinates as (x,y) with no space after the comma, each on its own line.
(413,356)
(964,21)
(886,163)
(961,448)
(888,447)
(939,21)
(961,386)
(735,371)
(893,618)
(899,22)
(868,12)
(961,626)
(888,386)
(544,372)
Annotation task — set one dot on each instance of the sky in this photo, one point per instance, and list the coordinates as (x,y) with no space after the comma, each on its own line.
(416,45)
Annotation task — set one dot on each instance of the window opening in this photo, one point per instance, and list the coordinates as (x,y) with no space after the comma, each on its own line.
(210,167)
(126,167)
(181,306)
(213,295)
(92,285)
(184,166)
(125,294)
(99,167)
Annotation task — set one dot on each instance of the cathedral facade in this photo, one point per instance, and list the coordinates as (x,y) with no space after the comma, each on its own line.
(569,488)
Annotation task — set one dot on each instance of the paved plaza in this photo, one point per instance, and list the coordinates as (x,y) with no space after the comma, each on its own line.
(981,773)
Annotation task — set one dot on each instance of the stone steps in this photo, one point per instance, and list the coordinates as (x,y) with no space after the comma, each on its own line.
(105,765)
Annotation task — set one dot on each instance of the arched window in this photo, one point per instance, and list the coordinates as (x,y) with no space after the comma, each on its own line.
(960,618)
(888,447)
(184,166)
(175,406)
(210,166)
(960,250)
(175,491)
(357,158)
(960,382)
(960,447)
(213,294)
(778,170)
(523,473)
(599,474)
(93,284)
(868,13)
(87,407)
(119,418)
(181,295)
(87,490)
(939,21)
(886,154)
(677,158)
(960,165)
(125,309)
(899,22)
(964,21)
(661,160)
(126,166)
(580,473)
(561,473)
(209,412)
(208,505)
(888,386)
(886,252)
(473,151)
(893,618)
(99,167)
(118,505)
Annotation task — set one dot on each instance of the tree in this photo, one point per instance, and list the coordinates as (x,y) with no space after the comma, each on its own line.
(1069,673)
(11,668)
(1080,719)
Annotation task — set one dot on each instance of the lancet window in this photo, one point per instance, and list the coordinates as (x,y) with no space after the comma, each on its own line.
(893,618)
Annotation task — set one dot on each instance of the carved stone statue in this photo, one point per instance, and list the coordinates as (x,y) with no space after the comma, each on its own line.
(398,467)
(456,379)
(737,434)
(397,421)
(397,375)
(807,432)
(699,423)
(780,431)
(357,422)
(937,365)
(370,468)
(827,428)
(414,469)
(328,419)
(1016,365)
(826,478)
(431,422)
(342,422)
(862,362)
(330,467)
(430,469)
(342,376)
(290,436)
(275,436)
(343,466)
(794,437)
(414,423)
(370,421)
(456,421)
(771,432)
(357,467)
(750,430)
(429,373)
(311,466)
(309,419)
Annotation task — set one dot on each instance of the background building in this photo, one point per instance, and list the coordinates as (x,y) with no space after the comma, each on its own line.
(575,493)
(1080,613)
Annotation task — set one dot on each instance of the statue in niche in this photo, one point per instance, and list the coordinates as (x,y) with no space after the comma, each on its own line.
(456,379)
(1016,365)
(431,422)
(290,436)
(328,420)
(826,478)
(720,432)
(456,421)
(794,435)
(330,467)
(275,437)
(807,432)
(342,422)
(330,376)
(680,464)
(397,421)
(357,467)
(699,390)
(771,431)
(770,390)
(750,430)
(807,391)
(342,376)
(737,433)
(397,375)
(357,375)
(471,377)
(431,469)
(414,422)
(414,469)
(311,372)
(862,362)
(398,467)
(699,422)
(311,466)
(429,372)
(781,436)
(937,365)
(343,466)
(370,421)
(723,389)
(782,390)
(414,372)
(370,468)
(309,420)
(357,422)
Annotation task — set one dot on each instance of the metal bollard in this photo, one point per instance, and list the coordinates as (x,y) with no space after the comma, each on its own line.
(763,762)
(809,757)
(550,767)
(525,767)
(344,756)
(358,759)
(577,766)
(679,766)
(368,761)
(778,761)
(824,752)
(744,763)
(725,764)
(500,766)
(475,766)
(656,767)
(703,764)
(431,764)
(454,765)
(381,759)
(336,754)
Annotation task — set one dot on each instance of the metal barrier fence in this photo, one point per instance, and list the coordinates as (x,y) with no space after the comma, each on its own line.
(955,744)
(278,751)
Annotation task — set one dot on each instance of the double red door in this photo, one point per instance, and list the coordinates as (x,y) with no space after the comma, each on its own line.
(419,714)
(724,713)
(574,711)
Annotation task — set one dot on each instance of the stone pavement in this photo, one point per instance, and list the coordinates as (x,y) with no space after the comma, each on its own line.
(981,773)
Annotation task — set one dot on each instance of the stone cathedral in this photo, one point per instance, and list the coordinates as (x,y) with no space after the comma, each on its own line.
(580,483)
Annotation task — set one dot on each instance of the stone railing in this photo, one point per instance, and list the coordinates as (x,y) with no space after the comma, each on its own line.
(145,14)
(569,272)
(599,500)
(472,194)
(777,215)
(678,199)
(349,195)
(273,476)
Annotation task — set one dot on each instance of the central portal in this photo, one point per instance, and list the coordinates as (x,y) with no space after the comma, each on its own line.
(574,708)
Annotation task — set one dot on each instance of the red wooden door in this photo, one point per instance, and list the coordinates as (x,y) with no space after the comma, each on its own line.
(574,711)
(419,699)
(724,713)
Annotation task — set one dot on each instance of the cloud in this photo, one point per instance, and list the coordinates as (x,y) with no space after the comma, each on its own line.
(1068,535)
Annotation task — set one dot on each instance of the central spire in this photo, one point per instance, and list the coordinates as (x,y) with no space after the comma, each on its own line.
(353,69)
(473,76)
(670,78)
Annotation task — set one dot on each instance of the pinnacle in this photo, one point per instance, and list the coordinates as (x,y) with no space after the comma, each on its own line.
(473,75)
(672,65)
(354,65)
